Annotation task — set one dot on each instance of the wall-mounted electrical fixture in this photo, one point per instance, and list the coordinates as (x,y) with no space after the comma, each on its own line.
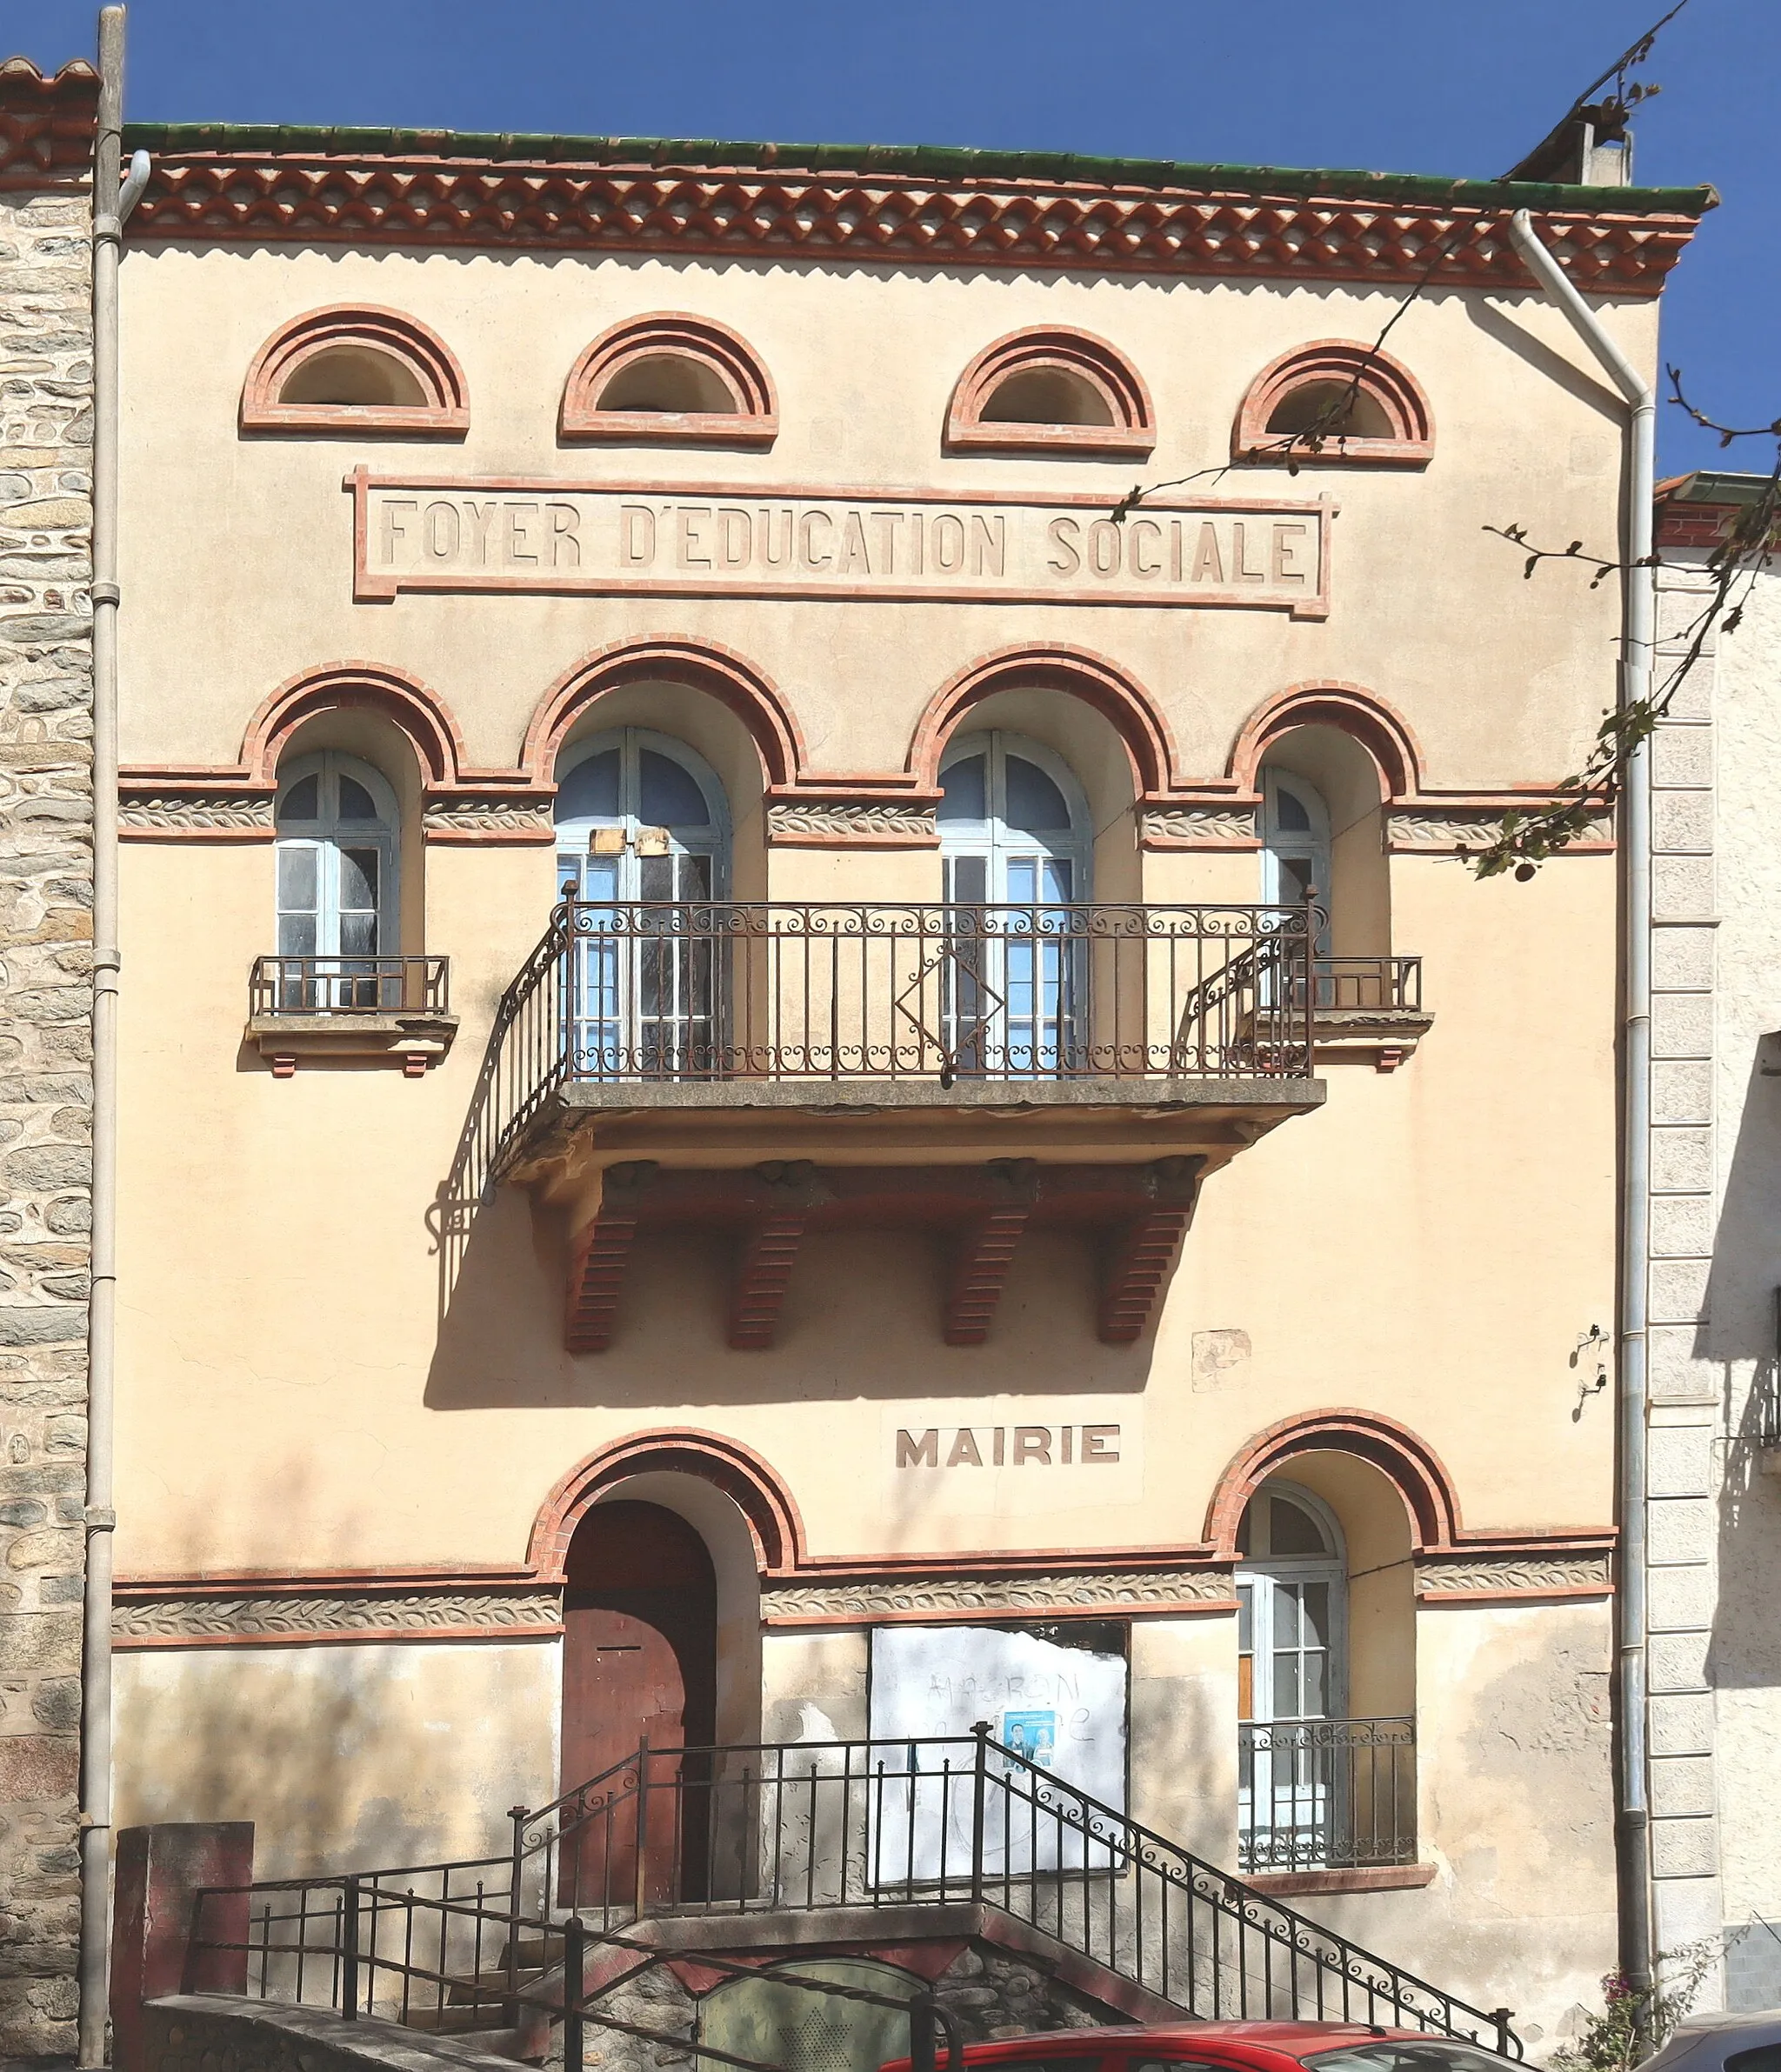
(1590,1351)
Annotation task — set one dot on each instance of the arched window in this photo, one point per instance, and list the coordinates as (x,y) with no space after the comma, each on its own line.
(1062,391)
(337,835)
(1293,1674)
(669,377)
(356,369)
(1333,403)
(642,842)
(1015,848)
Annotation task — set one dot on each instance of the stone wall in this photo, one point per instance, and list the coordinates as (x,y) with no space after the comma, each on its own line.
(46,876)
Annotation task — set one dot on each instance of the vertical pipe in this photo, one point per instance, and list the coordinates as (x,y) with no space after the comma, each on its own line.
(95,1637)
(1633,1807)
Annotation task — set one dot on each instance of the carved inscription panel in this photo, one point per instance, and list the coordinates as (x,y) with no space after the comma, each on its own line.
(617,539)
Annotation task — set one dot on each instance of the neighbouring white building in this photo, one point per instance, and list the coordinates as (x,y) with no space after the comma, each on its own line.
(1715,1459)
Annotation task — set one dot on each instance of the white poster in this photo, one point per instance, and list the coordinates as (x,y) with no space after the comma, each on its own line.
(1060,1712)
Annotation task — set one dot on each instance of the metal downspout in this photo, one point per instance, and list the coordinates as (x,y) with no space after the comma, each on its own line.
(1636,677)
(111,204)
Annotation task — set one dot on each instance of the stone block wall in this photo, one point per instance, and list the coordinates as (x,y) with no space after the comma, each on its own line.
(46,880)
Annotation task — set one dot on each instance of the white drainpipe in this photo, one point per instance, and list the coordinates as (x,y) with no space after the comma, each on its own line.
(109,215)
(1636,676)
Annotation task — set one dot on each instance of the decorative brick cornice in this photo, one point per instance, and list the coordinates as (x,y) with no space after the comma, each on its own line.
(516,816)
(1214,825)
(46,124)
(820,822)
(413,189)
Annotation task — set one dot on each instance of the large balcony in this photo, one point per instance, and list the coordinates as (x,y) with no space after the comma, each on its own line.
(631,1019)
(777,1069)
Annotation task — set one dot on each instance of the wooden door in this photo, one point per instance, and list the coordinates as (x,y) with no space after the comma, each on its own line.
(639,1664)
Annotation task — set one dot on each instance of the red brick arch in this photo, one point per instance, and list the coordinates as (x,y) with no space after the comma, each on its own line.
(355,687)
(1350,709)
(1078,672)
(1410,1462)
(720,672)
(726,1464)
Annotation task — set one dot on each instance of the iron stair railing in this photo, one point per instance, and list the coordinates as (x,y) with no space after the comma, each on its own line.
(802,1828)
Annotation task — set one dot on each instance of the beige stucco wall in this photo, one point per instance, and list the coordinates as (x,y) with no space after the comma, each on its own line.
(303,1390)
(345,1757)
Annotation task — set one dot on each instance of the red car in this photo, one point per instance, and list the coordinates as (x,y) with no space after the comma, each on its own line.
(1226,2046)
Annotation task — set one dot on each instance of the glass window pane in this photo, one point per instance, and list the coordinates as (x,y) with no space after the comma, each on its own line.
(297,876)
(1286,1687)
(695,877)
(359,935)
(589,791)
(356,803)
(1314,1702)
(656,877)
(1292,1529)
(358,879)
(1035,805)
(1289,813)
(303,800)
(1285,1615)
(296,934)
(1316,1606)
(966,880)
(1245,1618)
(670,795)
(1295,877)
(965,791)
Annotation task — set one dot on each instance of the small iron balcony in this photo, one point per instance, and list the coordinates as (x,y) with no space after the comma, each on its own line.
(350,1010)
(1325,1795)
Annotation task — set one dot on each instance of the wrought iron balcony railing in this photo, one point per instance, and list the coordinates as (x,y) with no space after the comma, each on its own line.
(350,985)
(1325,1795)
(783,990)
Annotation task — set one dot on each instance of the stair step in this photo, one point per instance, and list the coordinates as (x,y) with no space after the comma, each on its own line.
(492,1985)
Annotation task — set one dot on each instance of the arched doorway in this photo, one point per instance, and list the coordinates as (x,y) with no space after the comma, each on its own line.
(639,1665)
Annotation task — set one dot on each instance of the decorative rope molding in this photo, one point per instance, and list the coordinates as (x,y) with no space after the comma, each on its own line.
(283,1617)
(1477,1577)
(145,814)
(1199,827)
(864,823)
(488,820)
(215,183)
(887,1600)
(1419,829)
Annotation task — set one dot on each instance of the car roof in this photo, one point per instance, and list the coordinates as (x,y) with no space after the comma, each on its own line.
(1290,2038)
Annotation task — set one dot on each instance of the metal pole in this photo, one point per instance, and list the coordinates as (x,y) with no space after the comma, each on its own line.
(518,1815)
(348,1950)
(1636,1104)
(921,2033)
(574,1991)
(979,1784)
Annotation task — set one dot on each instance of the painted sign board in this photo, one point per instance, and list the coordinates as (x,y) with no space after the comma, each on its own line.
(649,539)
(1063,1709)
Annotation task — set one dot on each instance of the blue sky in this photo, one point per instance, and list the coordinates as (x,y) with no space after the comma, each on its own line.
(1457,87)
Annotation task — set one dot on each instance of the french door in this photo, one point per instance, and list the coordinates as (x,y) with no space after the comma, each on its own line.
(1015,855)
(640,856)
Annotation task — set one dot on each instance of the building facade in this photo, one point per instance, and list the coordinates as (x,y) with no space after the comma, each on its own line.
(793,1078)
(1714,1277)
(46,155)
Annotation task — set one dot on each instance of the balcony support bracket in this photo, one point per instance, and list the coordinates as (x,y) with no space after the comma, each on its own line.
(600,1256)
(1142,1252)
(984,1252)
